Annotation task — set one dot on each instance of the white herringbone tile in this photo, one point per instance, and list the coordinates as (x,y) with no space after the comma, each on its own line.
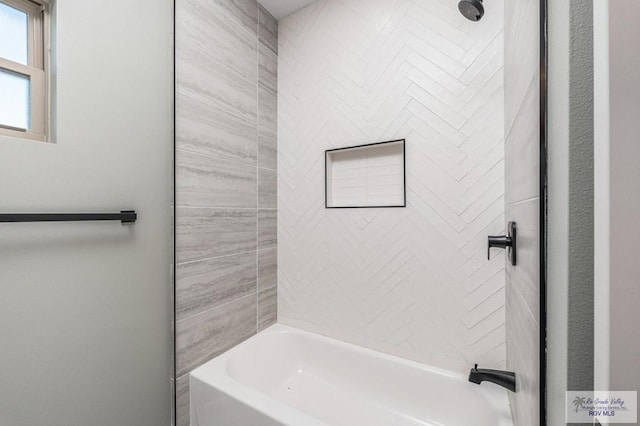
(413,282)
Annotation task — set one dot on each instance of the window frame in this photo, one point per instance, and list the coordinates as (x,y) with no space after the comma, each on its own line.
(36,70)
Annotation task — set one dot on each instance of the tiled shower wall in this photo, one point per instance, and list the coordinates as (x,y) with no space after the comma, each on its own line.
(522,152)
(411,281)
(226,93)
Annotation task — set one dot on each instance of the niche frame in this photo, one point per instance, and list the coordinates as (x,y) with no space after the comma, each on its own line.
(404,177)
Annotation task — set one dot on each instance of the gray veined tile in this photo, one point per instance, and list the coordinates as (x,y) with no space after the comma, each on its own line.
(207,232)
(182,400)
(201,75)
(267,109)
(268,29)
(218,28)
(211,131)
(209,283)
(267,308)
(207,335)
(267,127)
(245,12)
(267,228)
(267,68)
(212,182)
(267,149)
(267,268)
(267,189)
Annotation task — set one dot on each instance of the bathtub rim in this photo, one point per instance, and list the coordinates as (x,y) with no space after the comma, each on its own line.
(214,374)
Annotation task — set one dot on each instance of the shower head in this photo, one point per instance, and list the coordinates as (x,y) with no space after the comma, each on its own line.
(473,10)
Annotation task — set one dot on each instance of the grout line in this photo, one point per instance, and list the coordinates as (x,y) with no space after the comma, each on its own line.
(526,200)
(185,374)
(268,288)
(217,307)
(268,248)
(277,55)
(217,157)
(188,262)
(221,208)
(174,212)
(188,151)
(267,168)
(257,163)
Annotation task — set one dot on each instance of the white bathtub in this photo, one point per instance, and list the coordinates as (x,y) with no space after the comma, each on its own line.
(287,376)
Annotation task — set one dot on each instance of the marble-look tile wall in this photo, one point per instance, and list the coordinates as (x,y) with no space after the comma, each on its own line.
(226,138)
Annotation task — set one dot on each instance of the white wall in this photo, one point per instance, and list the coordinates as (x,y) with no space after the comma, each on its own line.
(85,309)
(624,151)
(414,282)
(617,204)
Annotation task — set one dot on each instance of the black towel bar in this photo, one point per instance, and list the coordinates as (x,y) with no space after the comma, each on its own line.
(125,216)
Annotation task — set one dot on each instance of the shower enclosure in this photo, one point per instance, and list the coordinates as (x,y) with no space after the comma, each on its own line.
(284,113)
(103,322)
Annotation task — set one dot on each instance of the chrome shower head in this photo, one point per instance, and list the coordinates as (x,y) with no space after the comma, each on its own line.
(473,10)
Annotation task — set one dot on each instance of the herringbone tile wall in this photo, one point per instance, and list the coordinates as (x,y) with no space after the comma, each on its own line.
(414,282)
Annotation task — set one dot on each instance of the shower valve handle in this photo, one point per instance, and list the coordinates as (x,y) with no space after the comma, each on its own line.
(504,242)
(499,241)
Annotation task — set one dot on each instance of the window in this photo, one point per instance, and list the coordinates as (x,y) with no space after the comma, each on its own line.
(23,68)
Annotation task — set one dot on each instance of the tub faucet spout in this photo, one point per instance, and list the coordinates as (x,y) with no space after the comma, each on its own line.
(506,379)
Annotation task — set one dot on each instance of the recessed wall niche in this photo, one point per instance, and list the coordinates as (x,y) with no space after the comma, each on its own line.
(371,176)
